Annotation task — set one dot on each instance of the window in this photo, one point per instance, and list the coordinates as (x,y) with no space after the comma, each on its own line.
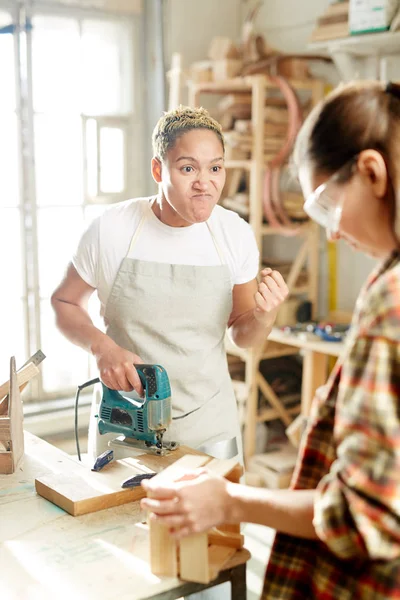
(81,110)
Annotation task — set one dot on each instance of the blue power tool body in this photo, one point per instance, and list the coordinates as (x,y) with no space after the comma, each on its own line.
(142,420)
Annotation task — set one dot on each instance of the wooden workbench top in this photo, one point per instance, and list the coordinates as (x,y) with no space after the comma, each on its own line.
(306,342)
(46,553)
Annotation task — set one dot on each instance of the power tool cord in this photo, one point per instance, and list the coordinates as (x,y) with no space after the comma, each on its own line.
(78,391)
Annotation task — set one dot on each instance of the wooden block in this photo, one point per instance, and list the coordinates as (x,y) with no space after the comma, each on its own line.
(275,467)
(11,427)
(16,417)
(229,468)
(78,490)
(179,467)
(225,538)
(226,69)
(163,547)
(337,8)
(230,528)
(218,556)
(331,20)
(194,563)
(330,32)
(201,71)
(163,550)
(222,48)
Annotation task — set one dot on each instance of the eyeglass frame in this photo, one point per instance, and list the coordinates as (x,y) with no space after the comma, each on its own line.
(313,197)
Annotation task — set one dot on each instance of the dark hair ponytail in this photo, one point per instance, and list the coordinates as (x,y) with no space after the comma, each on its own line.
(354,117)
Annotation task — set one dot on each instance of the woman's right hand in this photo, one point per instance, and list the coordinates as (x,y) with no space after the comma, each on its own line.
(116,367)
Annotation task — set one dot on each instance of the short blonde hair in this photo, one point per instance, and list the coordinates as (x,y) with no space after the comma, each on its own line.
(174,123)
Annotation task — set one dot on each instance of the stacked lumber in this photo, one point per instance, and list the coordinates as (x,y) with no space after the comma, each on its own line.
(333,24)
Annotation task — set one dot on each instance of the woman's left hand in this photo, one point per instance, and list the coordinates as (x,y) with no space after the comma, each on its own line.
(272,292)
(197,502)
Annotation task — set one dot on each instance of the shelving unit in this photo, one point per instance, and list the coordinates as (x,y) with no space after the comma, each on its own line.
(257,86)
(362,55)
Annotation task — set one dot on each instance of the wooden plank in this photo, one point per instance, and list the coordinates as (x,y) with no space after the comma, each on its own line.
(11,427)
(163,550)
(218,556)
(6,463)
(24,375)
(78,490)
(229,468)
(222,538)
(79,496)
(16,417)
(194,563)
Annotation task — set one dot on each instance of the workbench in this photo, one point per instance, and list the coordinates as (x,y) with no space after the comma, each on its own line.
(46,553)
(316,355)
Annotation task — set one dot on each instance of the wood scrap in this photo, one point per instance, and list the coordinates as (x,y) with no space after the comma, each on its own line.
(11,427)
(222,48)
(24,375)
(333,24)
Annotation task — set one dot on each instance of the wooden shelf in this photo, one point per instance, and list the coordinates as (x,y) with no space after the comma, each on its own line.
(238,164)
(258,86)
(244,85)
(352,54)
(364,45)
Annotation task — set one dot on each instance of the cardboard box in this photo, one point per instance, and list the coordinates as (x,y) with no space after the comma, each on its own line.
(370,16)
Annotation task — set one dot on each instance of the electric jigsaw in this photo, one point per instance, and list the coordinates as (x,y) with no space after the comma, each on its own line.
(143,421)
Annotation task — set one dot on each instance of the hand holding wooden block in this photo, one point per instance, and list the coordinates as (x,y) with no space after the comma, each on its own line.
(198,557)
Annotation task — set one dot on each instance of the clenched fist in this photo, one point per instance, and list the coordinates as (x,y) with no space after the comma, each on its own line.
(272,292)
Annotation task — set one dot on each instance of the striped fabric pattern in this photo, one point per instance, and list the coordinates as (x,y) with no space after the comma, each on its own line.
(350,453)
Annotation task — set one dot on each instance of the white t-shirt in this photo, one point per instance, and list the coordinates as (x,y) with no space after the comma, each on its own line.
(106,242)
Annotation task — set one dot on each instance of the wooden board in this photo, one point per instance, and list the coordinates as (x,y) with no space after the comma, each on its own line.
(22,377)
(78,490)
(11,427)
(16,418)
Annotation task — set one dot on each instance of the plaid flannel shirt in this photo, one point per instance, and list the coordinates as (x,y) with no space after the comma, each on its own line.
(350,453)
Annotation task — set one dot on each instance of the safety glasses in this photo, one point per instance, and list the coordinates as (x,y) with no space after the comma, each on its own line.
(325,204)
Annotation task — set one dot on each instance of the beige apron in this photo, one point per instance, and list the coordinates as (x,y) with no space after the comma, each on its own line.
(176,316)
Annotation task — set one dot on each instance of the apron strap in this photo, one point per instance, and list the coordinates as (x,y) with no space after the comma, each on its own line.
(139,227)
(217,247)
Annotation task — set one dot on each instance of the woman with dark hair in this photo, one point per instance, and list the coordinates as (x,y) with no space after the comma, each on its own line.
(338,527)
